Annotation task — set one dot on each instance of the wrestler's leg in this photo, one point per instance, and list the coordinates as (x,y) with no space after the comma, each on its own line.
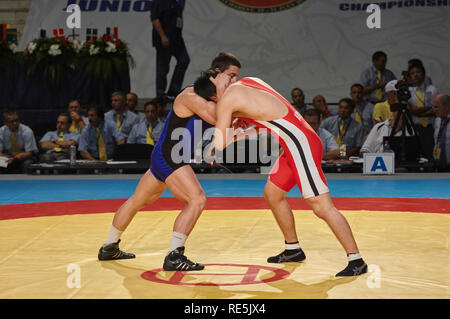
(184,185)
(280,182)
(148,190)
(275,198)
(324,208)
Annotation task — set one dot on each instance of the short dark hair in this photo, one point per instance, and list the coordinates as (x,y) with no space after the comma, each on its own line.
(151,102)
(65,115)
(356,85)
(98,109)
(417,65)
(9,112)
(119,93)
(296,89)
(203,86)
(312,112)
(378,55)
(414,61)
(223,60)
(349,101)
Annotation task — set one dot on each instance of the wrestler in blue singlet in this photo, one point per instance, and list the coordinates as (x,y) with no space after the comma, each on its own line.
(167,156)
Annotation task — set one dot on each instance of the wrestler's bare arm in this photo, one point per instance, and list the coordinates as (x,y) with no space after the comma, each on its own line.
(198,105)
(223,135)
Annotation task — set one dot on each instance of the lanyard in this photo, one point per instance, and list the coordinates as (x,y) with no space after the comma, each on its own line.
(345,127)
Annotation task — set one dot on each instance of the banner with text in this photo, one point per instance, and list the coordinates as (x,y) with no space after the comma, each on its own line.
(319,46)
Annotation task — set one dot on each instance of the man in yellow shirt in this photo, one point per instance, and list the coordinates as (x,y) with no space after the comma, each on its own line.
(382,110)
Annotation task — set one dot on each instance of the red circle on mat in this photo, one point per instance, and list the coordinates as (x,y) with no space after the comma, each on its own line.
(247,277)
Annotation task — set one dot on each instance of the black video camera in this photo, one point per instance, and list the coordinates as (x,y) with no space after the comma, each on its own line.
(403,93)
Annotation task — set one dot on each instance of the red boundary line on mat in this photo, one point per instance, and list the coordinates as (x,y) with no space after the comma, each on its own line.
(428,205)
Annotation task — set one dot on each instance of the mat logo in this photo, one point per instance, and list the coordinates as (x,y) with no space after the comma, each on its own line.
(74,279)
(237,275)
(258,6)
(111,5)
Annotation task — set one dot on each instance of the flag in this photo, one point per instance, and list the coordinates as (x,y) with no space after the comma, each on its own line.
(3,31)
(11,35)
(91,34)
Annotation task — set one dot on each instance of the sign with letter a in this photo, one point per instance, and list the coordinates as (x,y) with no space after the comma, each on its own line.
(379,163)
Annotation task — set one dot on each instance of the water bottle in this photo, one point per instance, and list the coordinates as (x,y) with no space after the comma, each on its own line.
(343,151)
(386,147)
(73,155)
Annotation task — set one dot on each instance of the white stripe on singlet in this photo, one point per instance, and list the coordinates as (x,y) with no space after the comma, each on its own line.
(311,182)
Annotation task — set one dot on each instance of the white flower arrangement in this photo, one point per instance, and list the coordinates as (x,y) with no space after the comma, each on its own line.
(77,46)
(13,48)
(54,50)
(31,47)
(110,47)
(93,50)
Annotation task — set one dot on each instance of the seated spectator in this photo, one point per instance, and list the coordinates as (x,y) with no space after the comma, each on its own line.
(330,147)
(99,138)
(374,141)
(320,104)
(298,101)
(120,115)
(132,101)
(77,121)
(427,81)
(161,108)
(375,78)
(363,109)
(346,131)
(441,106)
(382,111)
(56,144)
(149,130)
(17,143)
(420,105)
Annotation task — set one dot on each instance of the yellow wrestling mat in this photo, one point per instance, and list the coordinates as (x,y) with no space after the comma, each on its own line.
(56,257)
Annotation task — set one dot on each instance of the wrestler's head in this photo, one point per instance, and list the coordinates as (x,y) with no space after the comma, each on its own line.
(226,63)
(204,87)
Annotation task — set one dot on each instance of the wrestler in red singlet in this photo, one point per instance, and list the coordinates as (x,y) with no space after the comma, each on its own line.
(301,161)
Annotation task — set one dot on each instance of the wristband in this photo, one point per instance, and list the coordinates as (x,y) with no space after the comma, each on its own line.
(15,158)
(80,119)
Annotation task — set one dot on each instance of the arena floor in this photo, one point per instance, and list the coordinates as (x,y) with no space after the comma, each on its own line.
(53,226)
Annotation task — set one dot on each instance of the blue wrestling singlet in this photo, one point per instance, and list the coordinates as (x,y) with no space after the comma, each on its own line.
(174,147)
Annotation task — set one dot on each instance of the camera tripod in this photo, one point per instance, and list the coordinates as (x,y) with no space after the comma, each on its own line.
(406,125)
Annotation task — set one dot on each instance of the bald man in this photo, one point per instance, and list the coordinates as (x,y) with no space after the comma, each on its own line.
(441,153)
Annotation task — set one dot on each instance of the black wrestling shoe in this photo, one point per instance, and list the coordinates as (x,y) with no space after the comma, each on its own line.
(176,260)
(291,255)
(112,252)
(354,268)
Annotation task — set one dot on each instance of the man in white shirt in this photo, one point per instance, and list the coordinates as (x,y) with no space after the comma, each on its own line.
(374,141)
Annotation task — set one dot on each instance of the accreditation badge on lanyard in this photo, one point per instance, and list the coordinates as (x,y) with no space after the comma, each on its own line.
(437,153)
(179,24)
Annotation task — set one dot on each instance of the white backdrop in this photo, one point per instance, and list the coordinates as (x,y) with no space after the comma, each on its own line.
(315,46)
